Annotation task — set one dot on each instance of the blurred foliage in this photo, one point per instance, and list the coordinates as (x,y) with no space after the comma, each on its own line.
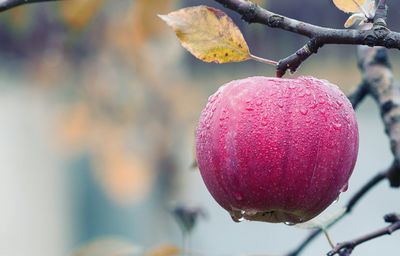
(126,93)
(164,250)
(78,13)
(108,247)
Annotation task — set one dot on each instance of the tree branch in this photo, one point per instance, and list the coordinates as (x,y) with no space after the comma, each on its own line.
(358,95)
(8,4)
(346,248)
(379,35)
(349,207)
(379,83)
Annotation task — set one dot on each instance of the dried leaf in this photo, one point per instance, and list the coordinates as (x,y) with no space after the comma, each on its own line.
(356,17)
(349,5)
(209,34)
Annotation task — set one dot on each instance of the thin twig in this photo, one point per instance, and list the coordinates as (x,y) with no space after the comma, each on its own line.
(8,4)
(349,207)
(262,60)
(328,237)
(358,94)
(378,35)
(346,248)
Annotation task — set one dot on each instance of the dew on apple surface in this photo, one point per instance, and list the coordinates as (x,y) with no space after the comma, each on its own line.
(303,111)
(344,188)
(261,138)
(336,125)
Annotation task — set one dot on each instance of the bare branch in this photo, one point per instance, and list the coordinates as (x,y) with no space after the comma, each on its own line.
(349,207)
(379,35)
(8,4)
(358,94)
(377,74)
(346,248)
(293,62)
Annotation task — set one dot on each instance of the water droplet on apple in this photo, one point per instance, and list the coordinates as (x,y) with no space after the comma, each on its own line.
(264,123)
(213,97)
(259,102)
(280,104)
(344,188)
(250,213)
(237,215)
(336,200)
(303,111)
(337,126)
(308,92)
(289,223)
(238,196)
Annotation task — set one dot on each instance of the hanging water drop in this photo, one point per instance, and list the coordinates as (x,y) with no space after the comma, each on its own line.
(336,200)
(344,188)
(237,215)
(288,223)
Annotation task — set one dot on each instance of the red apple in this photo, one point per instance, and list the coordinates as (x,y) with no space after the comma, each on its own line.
(277,150)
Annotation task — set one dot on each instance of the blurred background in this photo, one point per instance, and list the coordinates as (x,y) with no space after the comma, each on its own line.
(98,108)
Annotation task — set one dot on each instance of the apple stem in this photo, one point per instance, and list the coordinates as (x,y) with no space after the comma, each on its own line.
(328,237)
(262,60)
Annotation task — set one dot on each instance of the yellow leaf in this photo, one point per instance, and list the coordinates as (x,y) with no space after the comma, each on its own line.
(209,34)
(349,5)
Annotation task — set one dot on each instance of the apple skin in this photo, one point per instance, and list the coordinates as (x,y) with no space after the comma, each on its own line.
(277,150)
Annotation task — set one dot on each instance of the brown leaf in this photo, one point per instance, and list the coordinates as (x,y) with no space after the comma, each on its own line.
(209,34)
(349,5)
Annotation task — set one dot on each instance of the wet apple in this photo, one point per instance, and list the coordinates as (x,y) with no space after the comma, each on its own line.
(277,150)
